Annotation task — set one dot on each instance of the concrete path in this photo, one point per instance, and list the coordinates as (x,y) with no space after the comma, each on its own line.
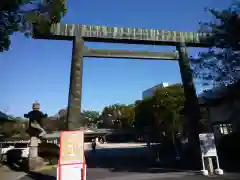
(122,145)
(103,174)
(120,163)
(8,174)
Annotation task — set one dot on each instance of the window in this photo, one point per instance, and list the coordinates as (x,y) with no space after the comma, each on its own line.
(225,128)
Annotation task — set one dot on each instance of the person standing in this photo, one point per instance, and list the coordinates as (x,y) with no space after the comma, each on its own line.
(94,144)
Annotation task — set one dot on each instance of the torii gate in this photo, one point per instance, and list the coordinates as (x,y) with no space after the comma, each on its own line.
(78,33)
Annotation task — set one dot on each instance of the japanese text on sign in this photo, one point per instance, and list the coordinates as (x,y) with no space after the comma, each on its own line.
(207,144)
(71,147)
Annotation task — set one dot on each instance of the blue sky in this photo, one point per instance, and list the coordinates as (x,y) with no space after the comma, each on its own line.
(39,69)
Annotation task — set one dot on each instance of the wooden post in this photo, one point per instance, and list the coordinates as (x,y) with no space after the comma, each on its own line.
(192,107)
(210,167)
(75,89)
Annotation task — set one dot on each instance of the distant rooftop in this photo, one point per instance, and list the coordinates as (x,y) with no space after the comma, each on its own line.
(161,85)
(56,134)
(4,116)
(150,91)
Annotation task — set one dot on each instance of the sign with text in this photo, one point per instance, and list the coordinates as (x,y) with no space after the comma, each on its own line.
(71,147)
(207,145)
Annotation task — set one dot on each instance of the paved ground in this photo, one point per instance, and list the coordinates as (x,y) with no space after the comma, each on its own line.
(122,145)
(8,174)
(103,174)
(127,164)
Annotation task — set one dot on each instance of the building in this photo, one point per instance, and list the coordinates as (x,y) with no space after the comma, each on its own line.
(223,105)
(150,92)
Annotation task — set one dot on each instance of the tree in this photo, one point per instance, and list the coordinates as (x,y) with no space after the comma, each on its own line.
(62,114)
(53,124)
(22,15)
(119,115)
(127,117)
(92,118)
(220,65)
(162,112)
(167,104)
(91,115)
(14,128)
(143,113)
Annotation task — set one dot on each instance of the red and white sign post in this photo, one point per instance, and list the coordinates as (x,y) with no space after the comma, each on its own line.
(72,163)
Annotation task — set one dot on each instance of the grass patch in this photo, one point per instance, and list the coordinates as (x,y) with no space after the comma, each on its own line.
(46,168)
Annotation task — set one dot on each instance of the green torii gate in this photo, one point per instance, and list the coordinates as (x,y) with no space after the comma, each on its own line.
(78,33)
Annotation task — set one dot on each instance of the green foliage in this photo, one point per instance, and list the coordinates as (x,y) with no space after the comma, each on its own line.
(127,117)
(144,113)
(162,112)
(21,15)
(91,115)
(92,118)
(220,66)
(169,102)
(119,115)
(49,152)
(13,128)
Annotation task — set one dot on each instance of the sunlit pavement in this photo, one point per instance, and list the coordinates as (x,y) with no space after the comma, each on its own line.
(88,146)
(105,174)
(122,145)
(127,164)
(7,174)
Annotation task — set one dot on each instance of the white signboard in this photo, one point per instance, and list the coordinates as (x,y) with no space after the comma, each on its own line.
(71,160)
(207,145)
(71,147)
(67,172)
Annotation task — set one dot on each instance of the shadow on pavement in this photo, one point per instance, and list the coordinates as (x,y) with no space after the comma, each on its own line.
(40,176)
(119,161)
(133,160)
(143,160)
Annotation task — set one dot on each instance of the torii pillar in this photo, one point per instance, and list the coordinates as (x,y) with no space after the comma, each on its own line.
(192,113)
(75,89)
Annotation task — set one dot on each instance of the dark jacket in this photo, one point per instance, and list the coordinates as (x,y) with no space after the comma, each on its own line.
(35,116)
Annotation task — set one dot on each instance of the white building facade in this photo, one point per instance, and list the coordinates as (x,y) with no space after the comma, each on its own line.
(150,92)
